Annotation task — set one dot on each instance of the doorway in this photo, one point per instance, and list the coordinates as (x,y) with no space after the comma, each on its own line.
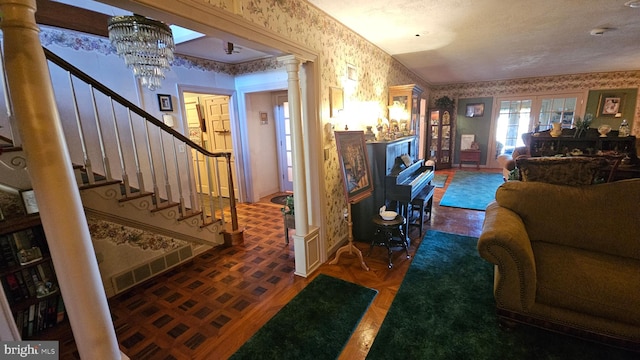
(209,126)
(283,136)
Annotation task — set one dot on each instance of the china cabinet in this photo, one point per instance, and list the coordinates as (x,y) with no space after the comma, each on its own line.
(406,97)
(439,137)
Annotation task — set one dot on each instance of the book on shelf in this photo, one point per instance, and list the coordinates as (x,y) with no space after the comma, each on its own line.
(6,250)
(32,316)
(23,286)
(60,314)
(13,288)
(29,282)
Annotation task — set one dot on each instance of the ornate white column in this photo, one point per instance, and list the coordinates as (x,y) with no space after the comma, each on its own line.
(306,239)
(54,183)
(295,116)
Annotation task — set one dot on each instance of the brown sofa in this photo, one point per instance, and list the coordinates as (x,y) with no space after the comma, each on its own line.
(567,257)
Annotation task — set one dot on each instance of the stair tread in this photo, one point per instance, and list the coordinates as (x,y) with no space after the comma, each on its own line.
(135,196)
(165,205)
(189,214)
(99,183)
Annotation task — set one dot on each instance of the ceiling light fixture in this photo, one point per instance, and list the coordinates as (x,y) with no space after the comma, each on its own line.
(146,45)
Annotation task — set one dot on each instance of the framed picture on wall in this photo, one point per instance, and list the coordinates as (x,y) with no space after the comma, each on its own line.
(475,110)
(611,104)
(164,102)
(354,165)
(336,100)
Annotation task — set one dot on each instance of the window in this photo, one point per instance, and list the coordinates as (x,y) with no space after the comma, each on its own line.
(517,115)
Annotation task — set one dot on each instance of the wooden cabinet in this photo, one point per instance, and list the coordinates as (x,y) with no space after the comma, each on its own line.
(439,137)
(28,278)
(409,97)
(472,156)
(545,145)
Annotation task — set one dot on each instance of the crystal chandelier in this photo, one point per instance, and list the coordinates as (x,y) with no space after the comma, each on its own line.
(146,45)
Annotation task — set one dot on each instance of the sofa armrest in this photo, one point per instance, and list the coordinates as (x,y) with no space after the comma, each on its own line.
(505,243)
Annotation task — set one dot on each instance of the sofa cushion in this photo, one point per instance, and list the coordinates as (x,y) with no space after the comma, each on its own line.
(588,282)
(604,217)
(574,171)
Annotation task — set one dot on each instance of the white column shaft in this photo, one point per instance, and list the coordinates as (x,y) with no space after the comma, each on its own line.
(54,183)
(295,117)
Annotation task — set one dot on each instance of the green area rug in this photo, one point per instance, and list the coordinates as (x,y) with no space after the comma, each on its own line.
(439,180)
(471,190)
(316,324)
(445,309)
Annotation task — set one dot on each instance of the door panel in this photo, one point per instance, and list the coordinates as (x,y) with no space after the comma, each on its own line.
(199,167)
(219,134)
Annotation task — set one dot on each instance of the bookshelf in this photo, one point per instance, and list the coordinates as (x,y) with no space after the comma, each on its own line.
(28,277)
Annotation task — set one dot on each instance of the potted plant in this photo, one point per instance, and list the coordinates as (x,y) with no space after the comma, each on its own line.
(445,102)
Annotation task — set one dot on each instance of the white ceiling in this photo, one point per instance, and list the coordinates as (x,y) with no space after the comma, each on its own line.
(478,40)
(454,41)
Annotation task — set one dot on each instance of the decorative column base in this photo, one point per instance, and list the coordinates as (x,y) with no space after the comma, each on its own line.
(307,260)
(233,237)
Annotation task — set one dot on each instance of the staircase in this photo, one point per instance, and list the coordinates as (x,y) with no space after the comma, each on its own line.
(131,168)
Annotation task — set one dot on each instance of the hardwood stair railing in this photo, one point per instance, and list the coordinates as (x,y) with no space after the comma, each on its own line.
(108,127)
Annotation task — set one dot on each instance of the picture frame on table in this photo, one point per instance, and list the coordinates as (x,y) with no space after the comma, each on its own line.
(29,201)
(611,104)
(354,165)
(164,102)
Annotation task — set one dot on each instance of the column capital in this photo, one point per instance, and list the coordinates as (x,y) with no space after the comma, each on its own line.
(290,60)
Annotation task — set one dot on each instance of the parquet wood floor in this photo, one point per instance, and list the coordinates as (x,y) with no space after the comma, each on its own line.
(208,308)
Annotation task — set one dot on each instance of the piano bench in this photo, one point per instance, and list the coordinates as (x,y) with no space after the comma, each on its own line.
(423,202)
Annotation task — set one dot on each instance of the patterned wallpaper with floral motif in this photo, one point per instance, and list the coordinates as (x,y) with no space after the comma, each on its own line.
(337,47)
(590,81)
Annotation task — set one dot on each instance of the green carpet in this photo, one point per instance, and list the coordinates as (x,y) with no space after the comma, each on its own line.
(445,309)
(316,324)
(439,180)
(471,190)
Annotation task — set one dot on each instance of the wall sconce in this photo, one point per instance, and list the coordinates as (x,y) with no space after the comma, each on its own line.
(169,120)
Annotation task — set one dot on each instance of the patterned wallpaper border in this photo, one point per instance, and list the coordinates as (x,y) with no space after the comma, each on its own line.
(83,42)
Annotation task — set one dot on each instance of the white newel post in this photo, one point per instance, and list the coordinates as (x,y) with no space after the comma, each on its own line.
(54,183)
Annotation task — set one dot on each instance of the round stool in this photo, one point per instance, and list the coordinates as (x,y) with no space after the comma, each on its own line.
(389,234)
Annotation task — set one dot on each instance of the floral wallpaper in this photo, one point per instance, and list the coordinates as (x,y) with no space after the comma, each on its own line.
(337,46)
(592,81)
(79,41)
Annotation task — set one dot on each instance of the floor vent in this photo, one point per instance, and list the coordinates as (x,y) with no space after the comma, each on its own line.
(134,276)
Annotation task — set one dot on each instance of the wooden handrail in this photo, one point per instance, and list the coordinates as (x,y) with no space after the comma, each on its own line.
(131,106)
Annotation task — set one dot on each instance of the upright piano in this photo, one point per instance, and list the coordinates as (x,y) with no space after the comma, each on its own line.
(398,177)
